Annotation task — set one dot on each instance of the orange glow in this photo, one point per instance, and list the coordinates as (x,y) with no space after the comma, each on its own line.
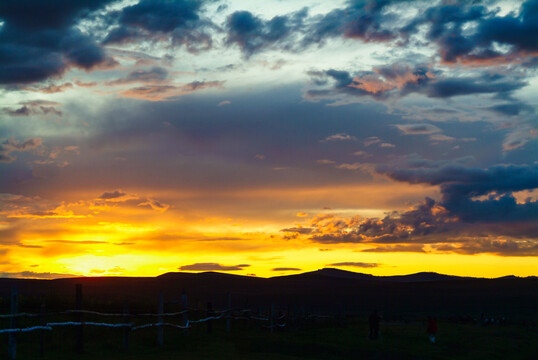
(126,236)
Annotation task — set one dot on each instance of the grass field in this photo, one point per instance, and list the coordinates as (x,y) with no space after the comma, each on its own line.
(316,341)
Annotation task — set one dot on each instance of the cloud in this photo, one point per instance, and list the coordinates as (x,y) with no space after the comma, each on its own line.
(178,22)
(39,40)
(424,219)
(51,89)
(371,140)
(285,269)
(447,23)
(365,167)
(212,267)
(12,145)
(478,213)
(300,230)
(361,153)
(500,247)
(35,107)
(152,92)
(441,137)
(35,275)
(85,83)
(387,145)
(460,186)
(253,34)
(339,137)
(519,137)
(418,129)
(112,195)
(399,80)
(512,109)
(493,39)
(396,248)
(355,264)
(200,85)
(154,75)
(168,92)
(365,20)
(78,242)
(36,48)
(155,205)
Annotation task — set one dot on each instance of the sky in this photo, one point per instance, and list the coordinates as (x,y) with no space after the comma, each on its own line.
(268,138)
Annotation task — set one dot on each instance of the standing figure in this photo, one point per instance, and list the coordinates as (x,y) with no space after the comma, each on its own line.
(374,325)
(431,330)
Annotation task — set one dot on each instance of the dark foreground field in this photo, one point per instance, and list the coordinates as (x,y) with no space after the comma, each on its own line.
(321,341)
(325,314)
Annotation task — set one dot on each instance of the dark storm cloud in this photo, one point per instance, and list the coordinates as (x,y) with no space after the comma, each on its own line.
(478,213)
(458,86)
(405,227)
(447,29)
(212,267)
(179,21)
(463,31)
(252,34)
(37,14)
(364,20)
(460,185)
(38,40)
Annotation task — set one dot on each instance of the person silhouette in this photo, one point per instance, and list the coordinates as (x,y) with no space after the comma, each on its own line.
(431,330)
(374,325)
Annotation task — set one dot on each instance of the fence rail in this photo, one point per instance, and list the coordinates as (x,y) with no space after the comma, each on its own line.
(268,322)
(49,326)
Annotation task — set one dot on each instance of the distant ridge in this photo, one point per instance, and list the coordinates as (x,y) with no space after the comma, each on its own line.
(418,277)
(323,273)
(336,273)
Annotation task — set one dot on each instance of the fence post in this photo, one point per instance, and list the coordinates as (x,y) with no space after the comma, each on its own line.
(126,330)
(229,315)
(185,305)
(160,310)
(272,317)
(79,332)
(42,322)
(209,313)
(12,346)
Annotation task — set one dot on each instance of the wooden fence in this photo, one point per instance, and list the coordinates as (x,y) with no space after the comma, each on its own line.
(270,321)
